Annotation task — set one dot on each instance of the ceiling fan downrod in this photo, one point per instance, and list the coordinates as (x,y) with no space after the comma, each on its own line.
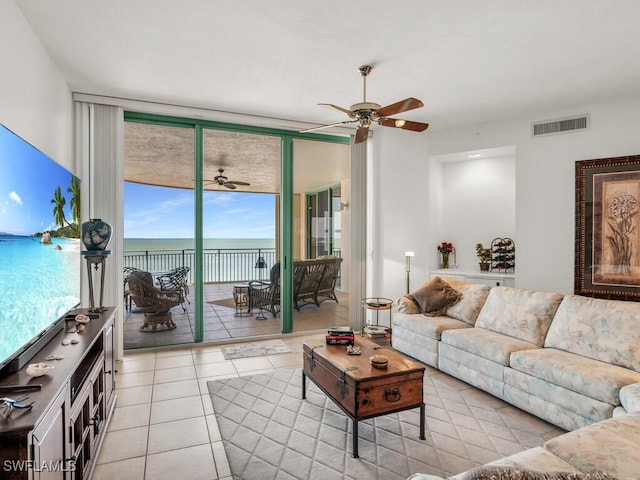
(364,71)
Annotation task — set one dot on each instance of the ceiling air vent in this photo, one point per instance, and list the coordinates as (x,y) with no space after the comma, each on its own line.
(563,125)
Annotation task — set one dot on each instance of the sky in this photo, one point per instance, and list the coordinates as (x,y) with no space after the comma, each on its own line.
(163,212)
(28,180)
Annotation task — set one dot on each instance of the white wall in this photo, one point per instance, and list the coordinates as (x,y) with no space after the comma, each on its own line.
(35,101)
(407,219)
(478,204)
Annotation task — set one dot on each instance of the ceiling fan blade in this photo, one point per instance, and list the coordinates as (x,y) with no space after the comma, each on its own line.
(404,124)
(230,186)
(335,107)
(399,107)
(234,182)
(361,134)
(314,129)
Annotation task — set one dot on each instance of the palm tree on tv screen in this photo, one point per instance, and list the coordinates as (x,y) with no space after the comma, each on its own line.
(59,202)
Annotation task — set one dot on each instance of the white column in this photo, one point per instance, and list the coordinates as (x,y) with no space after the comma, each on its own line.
(99,151)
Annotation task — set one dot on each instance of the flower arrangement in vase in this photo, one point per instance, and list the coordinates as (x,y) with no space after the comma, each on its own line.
(484,255)
(445,249)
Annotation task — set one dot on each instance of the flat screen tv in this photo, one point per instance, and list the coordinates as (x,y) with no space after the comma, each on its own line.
(39,249)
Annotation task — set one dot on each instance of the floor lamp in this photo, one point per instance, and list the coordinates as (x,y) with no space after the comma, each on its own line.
(407,256)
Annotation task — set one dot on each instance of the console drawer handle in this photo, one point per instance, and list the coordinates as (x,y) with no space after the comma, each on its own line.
(392,395)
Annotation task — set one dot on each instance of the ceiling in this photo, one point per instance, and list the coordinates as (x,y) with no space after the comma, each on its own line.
(164,155)
(469,61)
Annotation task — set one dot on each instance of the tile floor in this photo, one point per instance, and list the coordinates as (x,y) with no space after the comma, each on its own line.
(164,427)
(222,325)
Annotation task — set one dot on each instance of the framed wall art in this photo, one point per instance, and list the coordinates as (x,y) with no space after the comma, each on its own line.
(607,235)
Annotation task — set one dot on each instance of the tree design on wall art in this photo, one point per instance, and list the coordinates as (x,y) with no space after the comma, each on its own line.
(622,226)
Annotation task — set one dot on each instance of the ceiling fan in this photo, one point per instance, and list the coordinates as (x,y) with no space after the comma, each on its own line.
(224,181)
(365,113)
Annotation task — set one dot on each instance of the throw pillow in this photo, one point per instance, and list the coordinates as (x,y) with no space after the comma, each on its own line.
(435,296)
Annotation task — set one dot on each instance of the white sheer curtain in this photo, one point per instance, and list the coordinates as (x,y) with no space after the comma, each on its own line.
(358,245)
(99,154)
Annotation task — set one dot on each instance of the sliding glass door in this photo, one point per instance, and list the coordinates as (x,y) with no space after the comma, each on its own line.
(158,234)
(227,205)
(241,259)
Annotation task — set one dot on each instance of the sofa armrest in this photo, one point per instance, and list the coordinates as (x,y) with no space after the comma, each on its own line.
(630,397)
(406,305)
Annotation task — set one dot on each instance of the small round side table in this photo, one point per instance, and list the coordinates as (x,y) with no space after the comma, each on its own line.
(377,304)
(241,299)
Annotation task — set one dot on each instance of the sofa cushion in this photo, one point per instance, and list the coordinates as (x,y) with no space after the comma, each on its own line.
(431,327)
(473,297)
(610,446)
(606,330)
(536,458)
(630,397)
(435,296)
(519,313)
(584,375)
(485,343)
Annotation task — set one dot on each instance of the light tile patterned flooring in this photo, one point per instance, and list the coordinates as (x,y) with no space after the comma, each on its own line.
(164,427)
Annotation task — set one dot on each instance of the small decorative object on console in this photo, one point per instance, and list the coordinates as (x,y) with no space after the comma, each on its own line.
(38,369)
(353,350)
(484,255)
(503,254)
(445,249)
(96,234)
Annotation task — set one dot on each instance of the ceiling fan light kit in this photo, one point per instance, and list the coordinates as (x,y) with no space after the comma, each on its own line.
(223,181)
(365,113)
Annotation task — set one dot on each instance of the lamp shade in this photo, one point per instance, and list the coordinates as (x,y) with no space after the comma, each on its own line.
(409,254)
(261,263)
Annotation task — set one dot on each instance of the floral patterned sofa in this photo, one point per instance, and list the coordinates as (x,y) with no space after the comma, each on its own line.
(571,360)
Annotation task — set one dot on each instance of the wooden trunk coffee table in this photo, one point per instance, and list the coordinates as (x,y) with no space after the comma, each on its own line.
(359,389)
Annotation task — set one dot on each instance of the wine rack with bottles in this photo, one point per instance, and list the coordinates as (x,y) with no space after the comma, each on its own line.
(503,255)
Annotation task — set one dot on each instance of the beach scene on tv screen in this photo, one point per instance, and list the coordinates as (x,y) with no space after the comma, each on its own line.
(39,242)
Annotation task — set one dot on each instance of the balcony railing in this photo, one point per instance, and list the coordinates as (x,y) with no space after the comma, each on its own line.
(219,265)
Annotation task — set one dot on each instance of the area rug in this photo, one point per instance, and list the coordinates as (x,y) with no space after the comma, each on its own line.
(254,349)
(226,302)
(269,432)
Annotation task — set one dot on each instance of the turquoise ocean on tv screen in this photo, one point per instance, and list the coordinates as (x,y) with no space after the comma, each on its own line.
(40,271)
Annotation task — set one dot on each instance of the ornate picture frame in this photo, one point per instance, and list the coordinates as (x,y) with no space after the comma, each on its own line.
(607,228)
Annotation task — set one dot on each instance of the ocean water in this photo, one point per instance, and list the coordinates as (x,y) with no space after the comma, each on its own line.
(38,284)
(144,244)
(225,259)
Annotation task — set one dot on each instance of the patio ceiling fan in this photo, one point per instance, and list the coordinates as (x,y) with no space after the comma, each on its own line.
(223,181)
(365,113)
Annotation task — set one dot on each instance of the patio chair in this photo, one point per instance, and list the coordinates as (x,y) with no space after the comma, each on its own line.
(153,302)
(266,296)
(326,289)
(127,298)
(306,293)
(176,279)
